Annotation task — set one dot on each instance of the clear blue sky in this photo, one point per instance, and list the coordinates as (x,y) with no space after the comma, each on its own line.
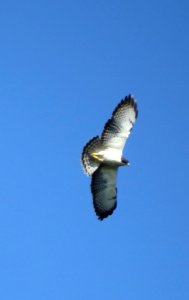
(64,66)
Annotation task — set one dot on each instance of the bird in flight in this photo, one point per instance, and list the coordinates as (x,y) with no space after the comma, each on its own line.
(102,156)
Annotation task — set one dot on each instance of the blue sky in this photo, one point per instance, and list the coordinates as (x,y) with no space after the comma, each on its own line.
(64,66)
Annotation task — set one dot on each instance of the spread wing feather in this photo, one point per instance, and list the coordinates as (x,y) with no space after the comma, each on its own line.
(104,191)
(117,129)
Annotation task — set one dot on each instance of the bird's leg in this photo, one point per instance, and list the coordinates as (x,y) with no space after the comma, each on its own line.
(97,156)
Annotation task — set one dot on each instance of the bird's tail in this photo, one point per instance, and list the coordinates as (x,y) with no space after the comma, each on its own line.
(90,165)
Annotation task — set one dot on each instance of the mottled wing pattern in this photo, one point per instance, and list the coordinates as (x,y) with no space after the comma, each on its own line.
(89,164)
(104,191)
(118,128)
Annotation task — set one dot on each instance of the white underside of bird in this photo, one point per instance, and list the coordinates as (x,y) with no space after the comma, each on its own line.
(102,156)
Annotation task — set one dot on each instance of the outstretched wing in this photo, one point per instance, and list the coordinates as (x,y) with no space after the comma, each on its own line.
(103,188)
(118,128)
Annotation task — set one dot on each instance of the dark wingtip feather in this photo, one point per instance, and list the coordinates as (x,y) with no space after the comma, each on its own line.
(102,216)
(130,100)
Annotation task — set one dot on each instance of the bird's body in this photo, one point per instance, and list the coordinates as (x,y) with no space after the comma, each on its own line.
(102,156)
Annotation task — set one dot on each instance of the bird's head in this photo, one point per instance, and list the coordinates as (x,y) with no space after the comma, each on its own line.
(124,161)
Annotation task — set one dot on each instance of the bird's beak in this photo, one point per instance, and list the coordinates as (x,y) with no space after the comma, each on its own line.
(125,161)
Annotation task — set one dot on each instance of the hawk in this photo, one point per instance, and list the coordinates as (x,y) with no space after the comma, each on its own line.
(102,156)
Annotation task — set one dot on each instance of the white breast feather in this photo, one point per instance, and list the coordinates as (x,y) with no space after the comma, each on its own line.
(111,154)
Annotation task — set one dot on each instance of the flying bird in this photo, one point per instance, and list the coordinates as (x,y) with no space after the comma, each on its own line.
(102,156)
